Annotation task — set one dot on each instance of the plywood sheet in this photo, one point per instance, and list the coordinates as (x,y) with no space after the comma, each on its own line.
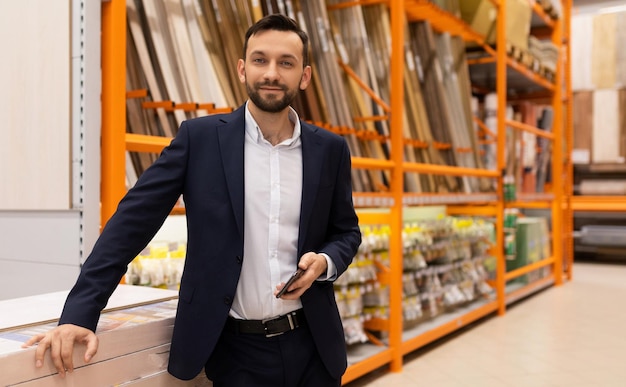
(620,48)
(35,105)
(583,119)
(47,307)
(622,122)
(603,51)
(606,133)
(582,31)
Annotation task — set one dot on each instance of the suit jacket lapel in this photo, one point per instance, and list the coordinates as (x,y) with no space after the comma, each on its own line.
(312,156)
(231,144)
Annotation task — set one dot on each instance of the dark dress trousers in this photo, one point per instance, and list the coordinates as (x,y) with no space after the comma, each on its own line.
(205,163)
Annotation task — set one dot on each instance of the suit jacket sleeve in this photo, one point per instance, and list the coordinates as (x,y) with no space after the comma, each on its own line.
(343,234)
(138,217)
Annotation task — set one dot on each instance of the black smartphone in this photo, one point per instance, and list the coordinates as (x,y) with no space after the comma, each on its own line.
(293,277)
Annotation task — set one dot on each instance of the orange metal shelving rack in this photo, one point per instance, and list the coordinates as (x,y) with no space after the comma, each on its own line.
(115,142)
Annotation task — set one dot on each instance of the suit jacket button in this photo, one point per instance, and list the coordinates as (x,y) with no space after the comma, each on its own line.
(228,301)
(239,259)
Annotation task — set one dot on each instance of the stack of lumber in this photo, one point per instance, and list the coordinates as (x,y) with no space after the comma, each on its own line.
(184,54)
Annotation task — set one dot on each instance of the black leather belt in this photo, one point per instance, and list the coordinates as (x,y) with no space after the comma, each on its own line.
(271,327)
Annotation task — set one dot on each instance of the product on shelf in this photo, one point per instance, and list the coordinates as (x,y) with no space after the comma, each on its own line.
(445,265)
(160,264)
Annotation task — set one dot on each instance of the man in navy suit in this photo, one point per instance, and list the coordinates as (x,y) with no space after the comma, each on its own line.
(265,194)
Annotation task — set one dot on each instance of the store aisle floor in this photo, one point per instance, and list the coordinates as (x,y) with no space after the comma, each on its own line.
(572,335)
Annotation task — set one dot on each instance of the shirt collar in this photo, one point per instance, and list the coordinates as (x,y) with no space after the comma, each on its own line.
(254,132)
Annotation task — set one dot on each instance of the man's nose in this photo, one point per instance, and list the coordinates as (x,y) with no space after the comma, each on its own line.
(271,72)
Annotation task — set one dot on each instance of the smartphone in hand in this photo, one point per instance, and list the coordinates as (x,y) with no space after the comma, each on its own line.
(298,273)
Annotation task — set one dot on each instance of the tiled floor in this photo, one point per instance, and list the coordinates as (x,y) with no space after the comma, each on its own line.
(572,335)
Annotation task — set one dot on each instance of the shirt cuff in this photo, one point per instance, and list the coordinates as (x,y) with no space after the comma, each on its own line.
(331,271)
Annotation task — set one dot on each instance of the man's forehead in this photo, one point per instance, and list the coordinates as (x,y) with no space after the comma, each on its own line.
(286,38)
(286,43)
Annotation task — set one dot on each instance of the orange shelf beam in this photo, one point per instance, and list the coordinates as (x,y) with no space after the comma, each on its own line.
(448,170)
(348,4)
(373,218)
(484,127)
(477,61)
(541,13)
(486,210)
(599,203)
(364,86)
(440,20)
(369,163)
(528,204)
(377,324)
(527,269)
(529,289)
(445,329)
(530,128)
(139,93)
(451,198)
(366,366)
(145,143)
(528,73)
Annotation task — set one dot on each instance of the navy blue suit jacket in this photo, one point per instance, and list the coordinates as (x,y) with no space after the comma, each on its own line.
(205,163)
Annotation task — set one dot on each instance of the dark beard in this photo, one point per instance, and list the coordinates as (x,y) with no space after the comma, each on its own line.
(272,104)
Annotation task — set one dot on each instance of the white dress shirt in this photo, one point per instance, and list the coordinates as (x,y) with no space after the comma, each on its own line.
(273,195)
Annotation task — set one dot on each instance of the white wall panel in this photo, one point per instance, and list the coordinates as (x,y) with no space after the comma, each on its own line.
(48,237)
(21,279)
(35,104)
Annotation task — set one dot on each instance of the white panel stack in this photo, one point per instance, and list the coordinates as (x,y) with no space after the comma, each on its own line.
(134,337)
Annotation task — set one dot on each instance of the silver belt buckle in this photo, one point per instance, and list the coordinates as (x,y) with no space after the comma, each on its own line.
(289,319)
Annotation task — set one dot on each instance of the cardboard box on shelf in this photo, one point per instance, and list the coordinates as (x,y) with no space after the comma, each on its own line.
(481,15)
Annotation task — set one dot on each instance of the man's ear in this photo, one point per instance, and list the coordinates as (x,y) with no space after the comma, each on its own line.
(305,80)
(241,70)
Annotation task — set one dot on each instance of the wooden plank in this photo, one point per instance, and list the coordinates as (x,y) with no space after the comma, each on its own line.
(606,133)
(603,51)
(582,36)
(138,120)
(207,23)
(226,36)
(134,17)
(544,158)
(439,116)
(208,79)
(165,54)
(465,94)
(183,52)
(364,31)
(622,122)
(583,114)
(620,55)
(314,19)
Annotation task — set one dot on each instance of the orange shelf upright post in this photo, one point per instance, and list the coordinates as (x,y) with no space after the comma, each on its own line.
(501,90)
(397,13)
(568,224)
(557,160)
(113,162)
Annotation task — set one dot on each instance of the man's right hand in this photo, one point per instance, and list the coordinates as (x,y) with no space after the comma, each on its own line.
(61,341)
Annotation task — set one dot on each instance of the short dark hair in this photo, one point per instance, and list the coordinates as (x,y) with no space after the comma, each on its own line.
(279,22)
